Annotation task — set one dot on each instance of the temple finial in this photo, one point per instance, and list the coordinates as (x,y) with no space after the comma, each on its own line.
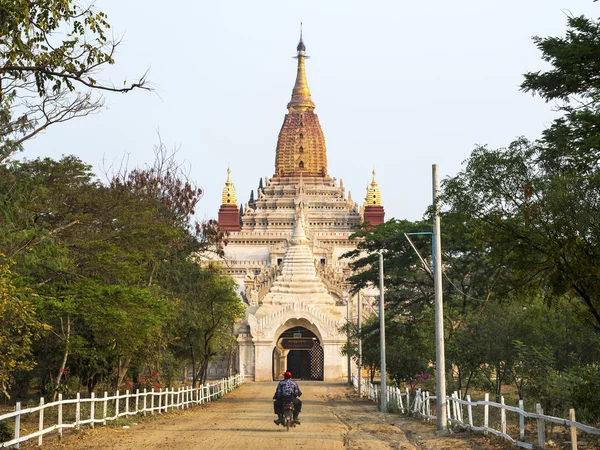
(373,197)
(228,197)
(301,100)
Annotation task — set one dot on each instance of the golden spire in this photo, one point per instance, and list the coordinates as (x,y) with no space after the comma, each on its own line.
(228,197)
(301,144)
(301,100)
(373,193)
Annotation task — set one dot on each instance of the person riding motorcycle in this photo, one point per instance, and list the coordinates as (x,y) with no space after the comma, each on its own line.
(287,391)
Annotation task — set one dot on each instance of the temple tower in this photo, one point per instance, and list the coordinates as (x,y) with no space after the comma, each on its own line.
(374,214)
(229,214)
(287,254)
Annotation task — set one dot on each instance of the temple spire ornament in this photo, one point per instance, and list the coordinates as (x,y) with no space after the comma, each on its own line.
(373,193)
(301,100)
(228,197)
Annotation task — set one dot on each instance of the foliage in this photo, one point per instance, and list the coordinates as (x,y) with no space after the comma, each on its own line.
(89,254)
(18,328)
(208,309)
(51,52)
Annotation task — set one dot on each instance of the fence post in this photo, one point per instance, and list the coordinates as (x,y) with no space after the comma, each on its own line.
(470,411)
(152,401)
(117,404)
(455,406)
(486,411)
(59,422)
(92,408)
(78,411)
(540,427)
(145,401)
(18,423)
(160,401)
(104,413)
(573,430)
(502,416)
(137,400)
(521,422)
(126,402)
(41,422)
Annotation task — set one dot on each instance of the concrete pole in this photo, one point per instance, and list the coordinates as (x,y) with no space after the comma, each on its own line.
(348,338)
(383,405)
(359,349)
(440,363)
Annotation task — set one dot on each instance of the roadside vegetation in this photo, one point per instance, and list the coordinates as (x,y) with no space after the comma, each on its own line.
(99,284)
(521,255)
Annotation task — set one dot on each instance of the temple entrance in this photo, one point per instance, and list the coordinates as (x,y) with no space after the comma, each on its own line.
(299,351)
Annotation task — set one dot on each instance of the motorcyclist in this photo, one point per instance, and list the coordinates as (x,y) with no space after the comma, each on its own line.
(287,390)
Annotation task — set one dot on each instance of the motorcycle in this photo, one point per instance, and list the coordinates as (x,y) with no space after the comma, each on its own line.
(288,415)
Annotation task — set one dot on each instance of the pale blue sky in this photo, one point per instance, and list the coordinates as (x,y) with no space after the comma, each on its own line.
(398,86)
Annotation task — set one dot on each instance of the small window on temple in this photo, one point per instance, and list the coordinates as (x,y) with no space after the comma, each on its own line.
(301,165)
(301,149)
(301,135)
(279,261)
(323,261)
(301,124)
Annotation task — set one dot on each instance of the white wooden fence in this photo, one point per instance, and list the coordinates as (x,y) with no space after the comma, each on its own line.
(135,403)
(421,407)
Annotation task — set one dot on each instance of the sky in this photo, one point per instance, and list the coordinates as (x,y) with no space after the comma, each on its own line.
(398,86)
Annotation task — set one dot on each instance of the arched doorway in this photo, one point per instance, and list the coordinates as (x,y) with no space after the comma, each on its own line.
(298,350)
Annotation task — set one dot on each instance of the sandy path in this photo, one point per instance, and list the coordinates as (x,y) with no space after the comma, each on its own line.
(332,418)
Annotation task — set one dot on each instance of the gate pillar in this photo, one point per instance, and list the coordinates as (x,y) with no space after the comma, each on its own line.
(263,360)
(334,368)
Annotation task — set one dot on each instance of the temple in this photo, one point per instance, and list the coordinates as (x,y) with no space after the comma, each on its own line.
(285,248)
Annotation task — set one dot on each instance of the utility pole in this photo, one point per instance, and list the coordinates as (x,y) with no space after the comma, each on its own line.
(359,349)
(347,298)
(440,363)
(383,405)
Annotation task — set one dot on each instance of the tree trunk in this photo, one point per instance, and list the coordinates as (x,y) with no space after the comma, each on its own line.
(65,357)
(122,371)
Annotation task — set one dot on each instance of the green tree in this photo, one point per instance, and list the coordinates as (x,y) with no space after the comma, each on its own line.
(18,329)
(208,308)
(534,205)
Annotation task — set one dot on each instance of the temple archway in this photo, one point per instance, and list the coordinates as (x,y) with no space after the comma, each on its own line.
(298,350)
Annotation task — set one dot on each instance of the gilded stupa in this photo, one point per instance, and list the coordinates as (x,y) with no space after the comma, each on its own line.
(287,254)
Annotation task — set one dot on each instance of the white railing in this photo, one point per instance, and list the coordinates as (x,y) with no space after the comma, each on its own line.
(421,407)
(97,409)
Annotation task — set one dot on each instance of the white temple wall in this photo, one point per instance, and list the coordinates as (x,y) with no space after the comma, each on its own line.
(251,253)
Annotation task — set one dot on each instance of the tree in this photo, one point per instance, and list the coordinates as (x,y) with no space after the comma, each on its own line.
(208,309)
(18,329)
(90,252)
(51,52)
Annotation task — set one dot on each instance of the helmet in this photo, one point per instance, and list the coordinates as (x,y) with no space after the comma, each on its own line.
(287,375)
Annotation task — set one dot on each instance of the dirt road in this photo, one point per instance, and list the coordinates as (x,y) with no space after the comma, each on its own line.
(332,418)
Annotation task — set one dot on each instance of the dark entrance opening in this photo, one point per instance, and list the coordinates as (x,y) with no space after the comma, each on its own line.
(299,351)
(298,362)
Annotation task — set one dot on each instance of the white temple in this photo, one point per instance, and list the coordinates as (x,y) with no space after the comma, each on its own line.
(285,251)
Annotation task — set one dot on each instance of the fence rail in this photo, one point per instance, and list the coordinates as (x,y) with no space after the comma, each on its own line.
(139,402)
(421,407)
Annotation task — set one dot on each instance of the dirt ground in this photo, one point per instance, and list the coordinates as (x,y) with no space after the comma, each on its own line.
(332,418)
